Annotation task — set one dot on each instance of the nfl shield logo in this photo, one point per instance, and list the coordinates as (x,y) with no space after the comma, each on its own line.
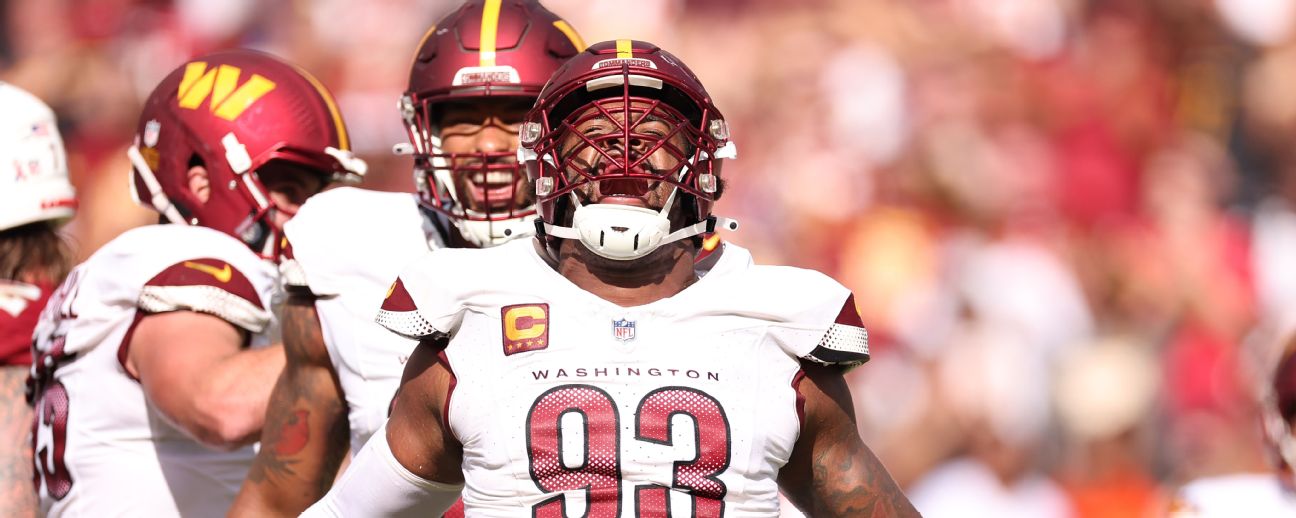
(623,329)
(152,130)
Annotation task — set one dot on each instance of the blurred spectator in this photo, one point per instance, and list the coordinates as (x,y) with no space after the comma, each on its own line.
(998,394)
(1105,392)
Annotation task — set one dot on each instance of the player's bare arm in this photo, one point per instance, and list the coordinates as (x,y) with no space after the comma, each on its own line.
(193,368)
(413,467)
(832,473)
(304,440)
(16,496)
(419,436)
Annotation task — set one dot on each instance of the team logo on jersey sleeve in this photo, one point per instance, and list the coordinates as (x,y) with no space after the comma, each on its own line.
(526,327)
(623,330)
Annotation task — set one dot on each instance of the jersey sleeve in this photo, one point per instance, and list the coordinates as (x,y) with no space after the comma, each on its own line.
(421,304)
(207,285)
(845,342)
(333,250)
(816,319)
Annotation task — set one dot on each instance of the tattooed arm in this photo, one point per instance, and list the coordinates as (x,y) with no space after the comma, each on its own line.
(16,495)
(831,472)
(305,435)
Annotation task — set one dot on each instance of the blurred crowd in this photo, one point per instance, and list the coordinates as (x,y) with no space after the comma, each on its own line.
(1070,225)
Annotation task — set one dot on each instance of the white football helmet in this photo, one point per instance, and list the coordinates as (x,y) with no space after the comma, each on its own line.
(33,167)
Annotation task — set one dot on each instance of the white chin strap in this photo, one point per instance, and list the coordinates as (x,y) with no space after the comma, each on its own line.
(157,198)
(625,232)
(484,234)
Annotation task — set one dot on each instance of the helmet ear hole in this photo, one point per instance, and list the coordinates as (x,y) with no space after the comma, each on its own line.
(198,180)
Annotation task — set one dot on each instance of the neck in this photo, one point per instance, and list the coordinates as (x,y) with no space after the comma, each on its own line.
(661,274)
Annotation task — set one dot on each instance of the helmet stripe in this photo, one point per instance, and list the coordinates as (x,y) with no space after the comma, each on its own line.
(489,27)
(344,141)
(624,49)
(571,33)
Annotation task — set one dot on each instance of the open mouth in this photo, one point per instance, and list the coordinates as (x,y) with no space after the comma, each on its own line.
(629,187)
(492,191)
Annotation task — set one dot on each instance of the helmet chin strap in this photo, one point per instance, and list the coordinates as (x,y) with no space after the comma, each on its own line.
(625,232)
(487,233)
(157,197)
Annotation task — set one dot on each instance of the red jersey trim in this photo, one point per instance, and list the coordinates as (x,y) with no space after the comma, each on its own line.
(398,299)
(208,272)
(454,382)
(800,398)
(845,342)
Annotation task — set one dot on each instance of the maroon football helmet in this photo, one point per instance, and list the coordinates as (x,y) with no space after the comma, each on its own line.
(637,82)
(234,112)
(1278,407)
(484,49)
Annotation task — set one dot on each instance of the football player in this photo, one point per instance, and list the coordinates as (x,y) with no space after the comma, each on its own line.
(153,365)
(35,199)
(590,371)
(1255,494)
(473,77)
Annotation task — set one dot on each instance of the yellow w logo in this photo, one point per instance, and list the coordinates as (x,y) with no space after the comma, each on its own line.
(228,98)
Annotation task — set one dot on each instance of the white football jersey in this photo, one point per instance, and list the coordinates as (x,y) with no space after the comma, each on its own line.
(101,448)
(1254,495)
(347,246)
(567,404)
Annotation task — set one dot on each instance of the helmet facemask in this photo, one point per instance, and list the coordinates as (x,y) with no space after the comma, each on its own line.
(635,170)
(483,193)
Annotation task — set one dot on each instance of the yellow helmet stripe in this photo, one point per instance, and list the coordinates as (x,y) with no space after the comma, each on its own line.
(624,50)
(489,26)
(567,29)
(344,141)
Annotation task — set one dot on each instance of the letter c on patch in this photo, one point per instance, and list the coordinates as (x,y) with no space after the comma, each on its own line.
(524,323)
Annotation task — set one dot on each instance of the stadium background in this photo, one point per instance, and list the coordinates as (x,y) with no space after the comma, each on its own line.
(1068,224)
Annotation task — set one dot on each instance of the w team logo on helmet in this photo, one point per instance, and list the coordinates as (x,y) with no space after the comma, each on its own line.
(221,85)
(486,49)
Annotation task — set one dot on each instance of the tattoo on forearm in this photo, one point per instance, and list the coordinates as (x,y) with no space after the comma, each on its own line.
(17,497)
(855,483)
(294,435)
(297,399)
